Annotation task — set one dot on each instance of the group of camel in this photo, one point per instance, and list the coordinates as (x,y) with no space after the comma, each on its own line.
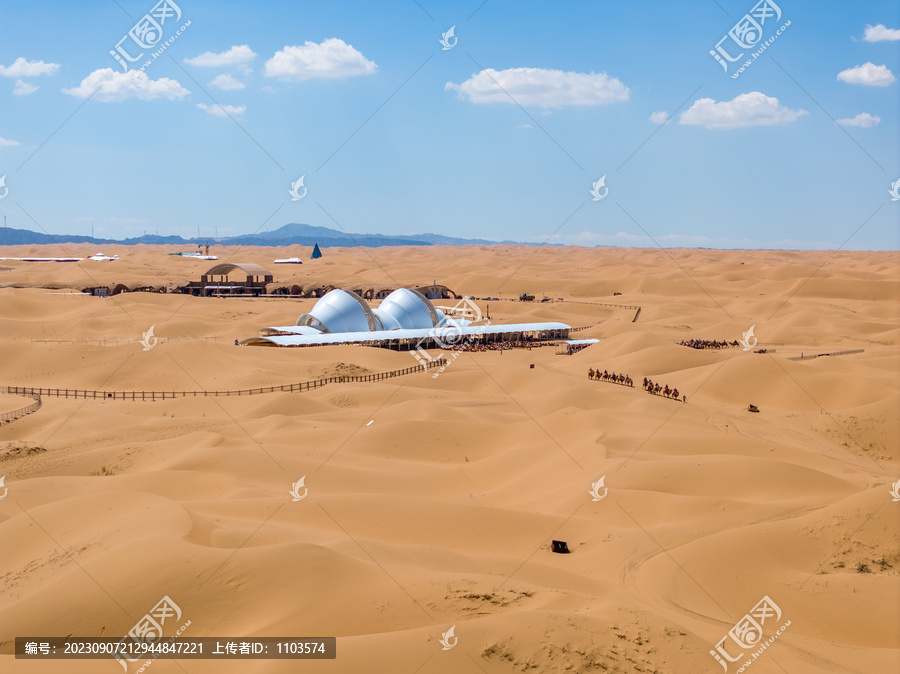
(708,343)
(656,389)
(623,379)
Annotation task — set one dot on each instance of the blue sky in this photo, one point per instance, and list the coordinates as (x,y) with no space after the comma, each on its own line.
(501,136)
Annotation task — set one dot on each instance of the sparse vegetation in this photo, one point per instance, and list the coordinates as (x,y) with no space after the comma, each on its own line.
(19,448)
(591,659)
(500,650)
(103,472)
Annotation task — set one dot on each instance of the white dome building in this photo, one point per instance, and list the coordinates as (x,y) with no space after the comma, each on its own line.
(406,308)
(340,311)
(405,320)
(345,311)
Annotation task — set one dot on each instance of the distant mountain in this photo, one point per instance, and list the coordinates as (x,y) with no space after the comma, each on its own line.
(295,230)
(441,240)
(148,238)
(307,235)
(18,237)
(288,235)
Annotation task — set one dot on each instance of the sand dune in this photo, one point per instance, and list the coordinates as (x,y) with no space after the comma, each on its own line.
(433,499)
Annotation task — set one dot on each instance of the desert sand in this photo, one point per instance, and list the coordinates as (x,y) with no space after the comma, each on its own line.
(432,501)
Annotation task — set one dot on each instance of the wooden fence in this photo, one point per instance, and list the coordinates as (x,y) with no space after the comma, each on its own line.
(105,341)
(596,304)
(168,395)
(601,304)
(21,412)
(832,353)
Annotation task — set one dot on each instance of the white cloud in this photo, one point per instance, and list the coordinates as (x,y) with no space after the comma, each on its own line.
(868,74)
(223,110)
(23,88)
(524,126)
(23,68)
(226,82)
(5,142)
(659,117)
(751,109)
(863,119)
(541,87)
(879,33)
(332,58)
(237,54)
(116,86)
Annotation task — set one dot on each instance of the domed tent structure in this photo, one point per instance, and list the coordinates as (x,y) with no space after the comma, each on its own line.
(340,311)
(404,320)
(345,311)
(408,308)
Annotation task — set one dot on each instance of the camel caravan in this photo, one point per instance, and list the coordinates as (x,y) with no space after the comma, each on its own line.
(612,377)
(707,343)
(658,390)
(649,386)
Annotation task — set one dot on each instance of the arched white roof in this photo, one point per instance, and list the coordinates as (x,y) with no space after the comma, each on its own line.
(409,309)
(248,268)
(386,320)
(340,311)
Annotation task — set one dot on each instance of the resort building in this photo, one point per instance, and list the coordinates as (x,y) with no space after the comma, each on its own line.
(216,281)
(405,319)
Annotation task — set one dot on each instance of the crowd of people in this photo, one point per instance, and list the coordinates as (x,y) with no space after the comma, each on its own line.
(707,343)
(620,378)
(651,387)
(494,346)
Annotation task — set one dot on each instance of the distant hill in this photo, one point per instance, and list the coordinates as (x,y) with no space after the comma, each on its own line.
(288,235)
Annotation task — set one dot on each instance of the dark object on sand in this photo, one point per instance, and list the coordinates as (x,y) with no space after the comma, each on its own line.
(561,547)
(753,408)
(531,366)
